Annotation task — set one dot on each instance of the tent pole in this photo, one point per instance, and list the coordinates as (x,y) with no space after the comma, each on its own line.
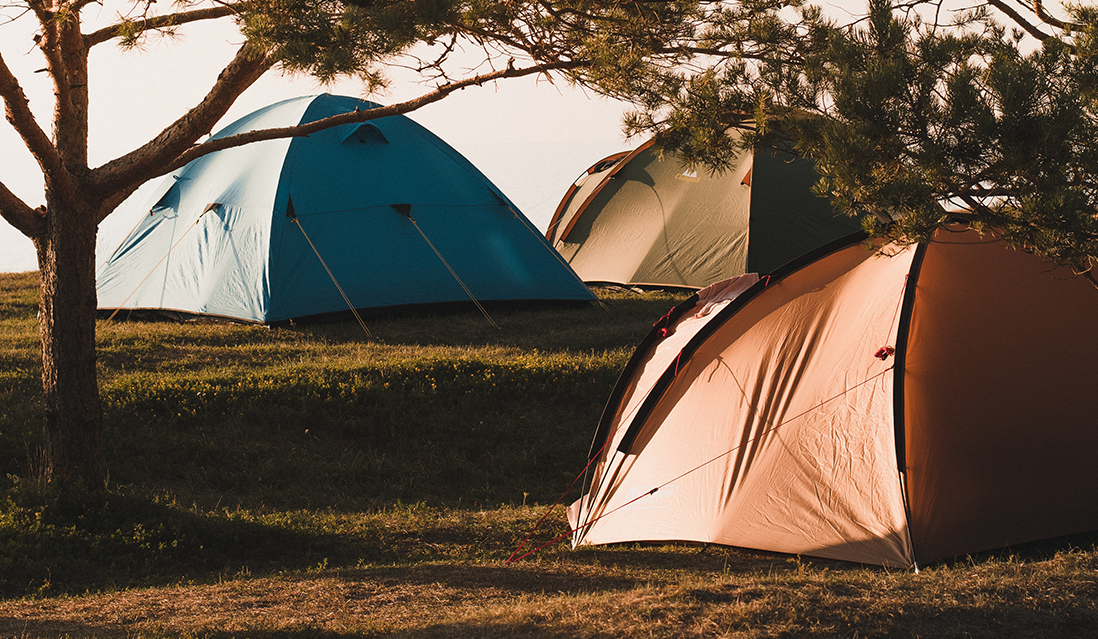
(346,299)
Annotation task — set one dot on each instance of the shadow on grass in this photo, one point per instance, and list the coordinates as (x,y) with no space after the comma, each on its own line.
(725,620)
(548,327)
(314,414)
(59,545)
(28,629)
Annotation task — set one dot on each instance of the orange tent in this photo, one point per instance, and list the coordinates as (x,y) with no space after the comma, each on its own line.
(893,406)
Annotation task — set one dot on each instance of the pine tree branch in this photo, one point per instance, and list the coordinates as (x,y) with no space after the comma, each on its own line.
(79,5)
(407,106)
(1048,18)
(1089,275)
(1026,25)
(71,108)
(28,221)
(47,39)
(49,43)
(18,113)
(62,45)
(159,22)
(148,161)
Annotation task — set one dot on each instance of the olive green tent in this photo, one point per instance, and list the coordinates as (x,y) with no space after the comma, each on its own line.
(644,218)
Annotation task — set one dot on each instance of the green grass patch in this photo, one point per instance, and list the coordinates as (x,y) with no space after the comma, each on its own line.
(217,434)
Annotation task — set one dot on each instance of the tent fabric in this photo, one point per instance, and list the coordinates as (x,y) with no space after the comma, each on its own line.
(643,218)
(229,234)
(892,406)
(1005,345)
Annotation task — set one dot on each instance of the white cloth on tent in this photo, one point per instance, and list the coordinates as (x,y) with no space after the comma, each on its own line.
(714,295)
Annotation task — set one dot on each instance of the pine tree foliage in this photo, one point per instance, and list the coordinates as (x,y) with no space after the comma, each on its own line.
(914,121)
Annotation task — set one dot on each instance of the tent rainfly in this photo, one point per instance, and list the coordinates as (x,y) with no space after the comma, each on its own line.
(373,214)
(896,407)
(642,218)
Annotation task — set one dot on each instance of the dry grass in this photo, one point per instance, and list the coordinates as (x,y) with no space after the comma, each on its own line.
(640,592)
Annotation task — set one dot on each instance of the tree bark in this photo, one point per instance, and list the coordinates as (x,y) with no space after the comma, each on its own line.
(73,412)
(73,424)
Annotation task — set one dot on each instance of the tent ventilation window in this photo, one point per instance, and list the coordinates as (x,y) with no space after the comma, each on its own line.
(365,133)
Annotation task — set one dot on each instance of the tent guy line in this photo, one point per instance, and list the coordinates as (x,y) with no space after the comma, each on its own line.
(969,431)
(355,187)
(734,449)
(125,239)
(153,269)
(297,222)
(465,288)
(533,229)
(549,510)
(590,522)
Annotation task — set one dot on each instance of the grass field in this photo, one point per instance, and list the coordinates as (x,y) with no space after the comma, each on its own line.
(305,481)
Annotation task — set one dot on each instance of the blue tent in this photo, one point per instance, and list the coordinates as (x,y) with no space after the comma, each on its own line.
(383,210)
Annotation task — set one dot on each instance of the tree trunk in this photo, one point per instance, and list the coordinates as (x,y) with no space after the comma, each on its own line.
(73,415)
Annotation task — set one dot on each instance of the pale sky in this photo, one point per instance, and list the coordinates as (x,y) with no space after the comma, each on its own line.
(530,137)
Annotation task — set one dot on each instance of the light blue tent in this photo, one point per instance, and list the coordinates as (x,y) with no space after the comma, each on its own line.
(384,210)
